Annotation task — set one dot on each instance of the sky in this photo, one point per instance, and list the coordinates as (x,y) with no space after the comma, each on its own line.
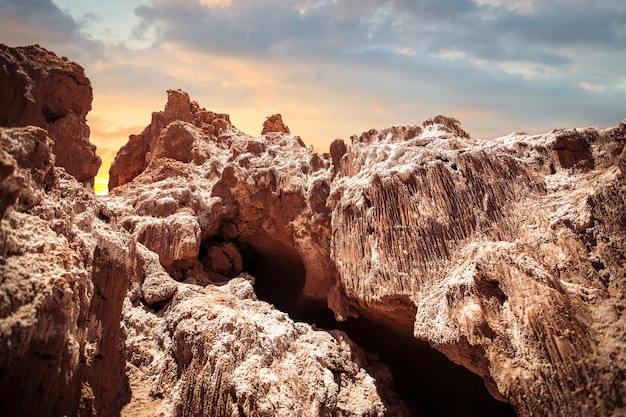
(334,68)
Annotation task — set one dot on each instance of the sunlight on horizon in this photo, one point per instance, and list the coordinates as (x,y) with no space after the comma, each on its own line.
(101,181)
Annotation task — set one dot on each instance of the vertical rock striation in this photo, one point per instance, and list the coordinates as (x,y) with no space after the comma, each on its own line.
(94,322)
(64,277)
(506,255)
(500,245)
(488,249)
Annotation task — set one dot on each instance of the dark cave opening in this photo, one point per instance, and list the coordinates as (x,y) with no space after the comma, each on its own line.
(427,380)
(278,270)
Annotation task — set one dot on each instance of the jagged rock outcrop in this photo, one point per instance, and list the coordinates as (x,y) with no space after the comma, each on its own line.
(40,89)
(502,247)
(92,323)
(430,228)
(274,123)
(163,138)
(59,306)
(168,296)
(256,195)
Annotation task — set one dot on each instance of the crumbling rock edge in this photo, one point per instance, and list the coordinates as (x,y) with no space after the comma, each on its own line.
(505,255)
(44,90)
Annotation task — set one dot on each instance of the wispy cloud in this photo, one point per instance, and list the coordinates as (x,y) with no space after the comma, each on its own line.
(42,22)
(338,67)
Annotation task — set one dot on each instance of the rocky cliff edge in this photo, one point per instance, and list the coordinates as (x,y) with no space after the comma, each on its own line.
(38,88)
(168,297)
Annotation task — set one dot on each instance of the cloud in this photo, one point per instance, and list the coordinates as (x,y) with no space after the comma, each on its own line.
(27,22)
(31,21)
(338,67)
(493,31)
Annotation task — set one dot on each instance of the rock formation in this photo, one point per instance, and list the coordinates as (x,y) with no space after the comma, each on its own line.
(509,254)
(169,296)
(428,228)
(40,89)
(59,303)
(274,123)
(164,138)
(82,301)
(66,270)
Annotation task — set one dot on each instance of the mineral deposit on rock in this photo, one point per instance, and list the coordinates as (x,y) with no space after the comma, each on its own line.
(185,291)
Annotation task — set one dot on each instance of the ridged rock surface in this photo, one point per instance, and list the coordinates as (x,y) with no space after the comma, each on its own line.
(92,323)
(37,88)
(64,278)
(511,252)
(506,255)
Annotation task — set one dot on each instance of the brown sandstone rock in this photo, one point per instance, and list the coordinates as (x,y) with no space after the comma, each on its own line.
(160,140)
(247,200)
(337,150)
(64,277)
(274,123)
(417,219)
(228,355)
(446,124)
(224,259)
(213,350)
(39,88)
(506,255)
(500,256)
(156,284)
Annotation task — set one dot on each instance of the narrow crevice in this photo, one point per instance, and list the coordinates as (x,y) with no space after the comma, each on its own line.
(426,379)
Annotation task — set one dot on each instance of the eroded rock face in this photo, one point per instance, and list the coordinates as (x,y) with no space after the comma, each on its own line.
(93,322)
(171,134)
(274,123)
(505,255)
(252,192)
(64,278)
(502,247)
(38,88)
(218,351)
(495,252)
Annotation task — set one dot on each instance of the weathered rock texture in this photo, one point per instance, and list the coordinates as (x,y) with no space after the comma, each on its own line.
(165,138)
(64,278)
(187,349)
(217,351)
(40,89)
(94,322)
(506,255)
(512,251)
(274,123)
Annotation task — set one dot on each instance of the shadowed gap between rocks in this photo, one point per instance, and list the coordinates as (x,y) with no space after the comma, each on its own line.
(426,379)
(279,273)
